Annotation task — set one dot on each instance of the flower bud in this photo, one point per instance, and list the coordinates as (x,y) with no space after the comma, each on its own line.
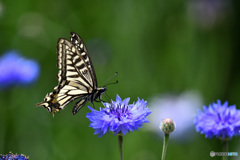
(167,126)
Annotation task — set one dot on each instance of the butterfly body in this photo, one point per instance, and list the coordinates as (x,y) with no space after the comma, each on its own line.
(76,77)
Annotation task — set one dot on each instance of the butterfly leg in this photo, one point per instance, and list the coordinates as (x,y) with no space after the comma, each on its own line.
(93,105)
(79,105)
(107,98)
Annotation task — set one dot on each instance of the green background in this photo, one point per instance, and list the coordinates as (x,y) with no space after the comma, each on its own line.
(156,46)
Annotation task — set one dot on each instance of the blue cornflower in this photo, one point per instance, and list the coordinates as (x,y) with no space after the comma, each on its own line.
(119,116)
(11,156)
(14,70)
(218,120)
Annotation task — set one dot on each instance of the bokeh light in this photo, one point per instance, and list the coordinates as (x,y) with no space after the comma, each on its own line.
(181,109)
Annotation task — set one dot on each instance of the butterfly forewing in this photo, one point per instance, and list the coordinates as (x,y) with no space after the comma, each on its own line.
(76,77)
(78,42)
(76,67)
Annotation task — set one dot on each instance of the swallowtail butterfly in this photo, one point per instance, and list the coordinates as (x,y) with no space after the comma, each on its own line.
(76,77)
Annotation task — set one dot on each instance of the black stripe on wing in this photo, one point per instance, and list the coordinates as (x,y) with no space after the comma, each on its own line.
(60,97)
(76,67)
(76,77)
(79,44)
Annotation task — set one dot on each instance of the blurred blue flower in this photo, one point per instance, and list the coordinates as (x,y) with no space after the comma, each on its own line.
(218,120)
(11,156)
(16,70)
(119,116)
(207,13)
(179,107)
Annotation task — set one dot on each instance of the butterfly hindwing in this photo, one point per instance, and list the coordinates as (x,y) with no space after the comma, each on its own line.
(76,77)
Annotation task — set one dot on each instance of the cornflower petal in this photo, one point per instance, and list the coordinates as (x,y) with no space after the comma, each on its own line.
(218,120)
(11,156)
(119,116)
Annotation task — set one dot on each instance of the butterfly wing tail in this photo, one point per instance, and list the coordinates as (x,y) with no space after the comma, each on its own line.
(50,103)
(45,105)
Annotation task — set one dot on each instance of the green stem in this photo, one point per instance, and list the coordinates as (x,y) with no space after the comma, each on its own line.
(120,142)
(9,139)
(225,148)
(165,144)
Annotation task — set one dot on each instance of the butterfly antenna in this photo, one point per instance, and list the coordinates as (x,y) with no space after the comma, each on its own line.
(110,79)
